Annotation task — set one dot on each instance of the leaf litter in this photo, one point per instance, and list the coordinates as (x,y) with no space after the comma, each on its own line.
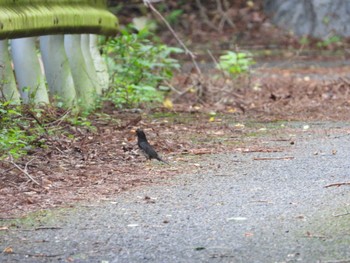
(82,164)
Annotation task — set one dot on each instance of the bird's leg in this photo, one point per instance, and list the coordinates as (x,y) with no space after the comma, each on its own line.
(150,165)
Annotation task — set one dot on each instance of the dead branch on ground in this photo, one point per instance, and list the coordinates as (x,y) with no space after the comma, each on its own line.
(273,158)
(25,170)
(337,184)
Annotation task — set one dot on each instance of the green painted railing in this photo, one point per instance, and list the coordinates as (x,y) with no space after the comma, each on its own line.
(27,18)
(74,70)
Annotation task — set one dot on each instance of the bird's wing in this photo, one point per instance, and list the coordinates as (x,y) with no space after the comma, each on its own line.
(147,148)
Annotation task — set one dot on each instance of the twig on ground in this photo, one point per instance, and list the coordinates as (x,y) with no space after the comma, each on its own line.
(48,227)
(41,255)
(38,121)
(336,184)
(309,235)
(262,150)
(343,214)
(58,149)
(148,3)
(345,80)
(24,171)
(8,170)
(273,158)
(59,121)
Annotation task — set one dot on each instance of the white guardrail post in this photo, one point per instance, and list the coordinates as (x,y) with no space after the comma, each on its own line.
(68,62)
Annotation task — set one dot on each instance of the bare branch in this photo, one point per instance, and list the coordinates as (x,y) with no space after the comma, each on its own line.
(217,64)
(148,3)
(24,170)
(224,16)
(336,184)
(203,14)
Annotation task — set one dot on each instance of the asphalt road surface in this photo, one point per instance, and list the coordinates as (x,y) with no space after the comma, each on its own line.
(239,207)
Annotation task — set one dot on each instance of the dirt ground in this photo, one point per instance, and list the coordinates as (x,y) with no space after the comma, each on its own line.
(210,115)
(99,163)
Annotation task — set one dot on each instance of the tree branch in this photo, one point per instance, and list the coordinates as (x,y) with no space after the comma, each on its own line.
(148,3)
(24,170)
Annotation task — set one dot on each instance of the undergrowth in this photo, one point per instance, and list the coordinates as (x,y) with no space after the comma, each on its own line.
(19,133)
(24,128)
(139,68)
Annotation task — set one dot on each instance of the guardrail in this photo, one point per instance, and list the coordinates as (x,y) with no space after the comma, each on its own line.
(69,60)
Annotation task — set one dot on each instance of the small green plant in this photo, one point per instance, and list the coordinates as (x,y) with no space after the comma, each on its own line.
(15,131)
(304,40)
(235,63)
(328,42)
(138,67)
(81,120)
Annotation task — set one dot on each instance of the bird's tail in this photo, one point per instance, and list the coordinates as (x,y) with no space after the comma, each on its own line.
(161,160)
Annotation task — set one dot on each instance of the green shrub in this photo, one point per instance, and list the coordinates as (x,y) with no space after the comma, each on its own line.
(138,67)
(14,131)
(235,63)
(328,42)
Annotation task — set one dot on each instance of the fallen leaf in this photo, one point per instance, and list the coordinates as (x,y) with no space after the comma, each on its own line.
(8,250)
(239,125)
(232,110)
(167,103)
(200,151)
(250,4)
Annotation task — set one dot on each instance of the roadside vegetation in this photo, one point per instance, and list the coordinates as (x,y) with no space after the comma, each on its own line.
(140,67)
(156,86)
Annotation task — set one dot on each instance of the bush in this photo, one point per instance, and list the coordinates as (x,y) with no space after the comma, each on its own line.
(16,138)
(235,63)
(139,67)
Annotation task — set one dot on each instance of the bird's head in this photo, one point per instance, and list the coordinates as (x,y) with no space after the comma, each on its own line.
(140,134)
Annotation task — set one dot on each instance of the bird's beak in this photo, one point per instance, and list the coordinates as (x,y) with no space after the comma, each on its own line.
(133,131)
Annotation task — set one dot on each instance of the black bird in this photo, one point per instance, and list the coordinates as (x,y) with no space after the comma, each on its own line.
(146,148)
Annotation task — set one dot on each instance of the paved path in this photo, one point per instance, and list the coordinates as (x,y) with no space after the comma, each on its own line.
(237,209)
